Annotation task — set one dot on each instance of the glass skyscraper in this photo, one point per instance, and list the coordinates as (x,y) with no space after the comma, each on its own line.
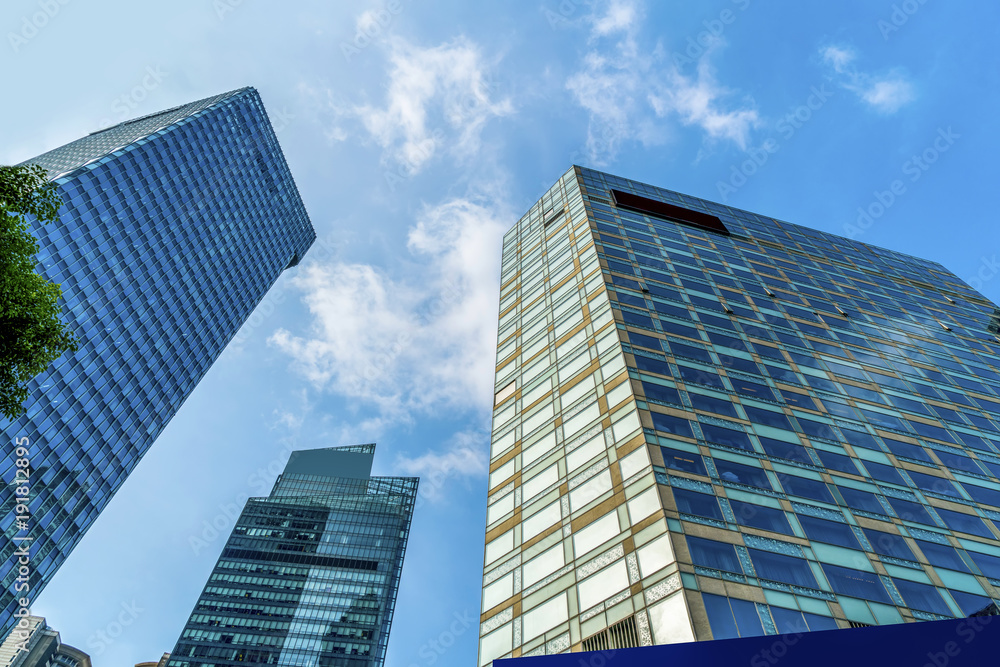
(310,573)
(173,228)
(711,424)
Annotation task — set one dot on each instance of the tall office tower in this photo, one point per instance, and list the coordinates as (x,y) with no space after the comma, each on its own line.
(310,573)
(173,228)
(710,424)
(35,644)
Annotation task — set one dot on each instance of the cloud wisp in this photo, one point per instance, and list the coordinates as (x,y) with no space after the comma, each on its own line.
(885,93)
(437,99)
(635,96)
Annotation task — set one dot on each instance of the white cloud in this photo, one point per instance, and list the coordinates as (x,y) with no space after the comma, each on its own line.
(632,96)
(888,95)
(621,16)
(439,97)
(839,57)
(885,93)
(422,342)
(465,456)
(695,100)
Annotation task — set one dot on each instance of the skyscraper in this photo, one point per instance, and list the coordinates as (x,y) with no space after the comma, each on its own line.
(709,424)
(35,644)
(310,573)
(173,228)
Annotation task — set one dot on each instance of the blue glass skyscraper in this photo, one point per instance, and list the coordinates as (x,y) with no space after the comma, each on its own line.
(710,424)
(310,573)
(173,228)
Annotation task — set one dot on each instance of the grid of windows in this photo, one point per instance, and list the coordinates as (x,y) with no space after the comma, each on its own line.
(308,576)
(814,411)
(163,248)
(850,388)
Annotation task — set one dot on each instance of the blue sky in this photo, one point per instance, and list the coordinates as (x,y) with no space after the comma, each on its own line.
(418,132)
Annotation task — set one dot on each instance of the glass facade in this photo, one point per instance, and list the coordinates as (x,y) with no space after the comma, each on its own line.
(173,228)
(309,575)
(709,424)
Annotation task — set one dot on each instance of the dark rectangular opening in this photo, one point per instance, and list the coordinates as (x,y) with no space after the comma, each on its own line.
(662,209)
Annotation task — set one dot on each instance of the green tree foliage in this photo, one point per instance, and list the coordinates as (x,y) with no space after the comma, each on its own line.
(32,335)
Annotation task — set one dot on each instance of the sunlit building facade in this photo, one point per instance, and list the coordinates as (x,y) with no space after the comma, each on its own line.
(173,228)
(712,424)
(310,573)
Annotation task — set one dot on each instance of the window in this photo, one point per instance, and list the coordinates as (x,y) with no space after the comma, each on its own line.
(643,341)
(923,597)
(658,392)
(910,511)
(839,462)
(714,555)
(786,569)
(758,516)
(790,621)
(711,404)
(698,504)
(958,462)
(700,376)
(726,436)
(815,429)
(884,473)
(889,544)
(965,523)
(749,388)
(933,484)
(806,488)
(649,365)
(855,583)
(670,424)
(691,352)
(730,618)
(907,450)
(970,603)
(785,450)
(730,471)
(831,532)
(768,418)
(942,555)
(982,494)
(674,459)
